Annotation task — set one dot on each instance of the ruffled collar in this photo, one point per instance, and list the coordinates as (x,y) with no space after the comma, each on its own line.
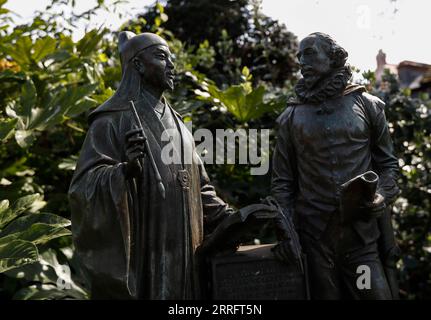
(330,87)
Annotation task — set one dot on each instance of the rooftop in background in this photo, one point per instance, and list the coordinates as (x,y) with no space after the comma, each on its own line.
(413,75)
(362,27)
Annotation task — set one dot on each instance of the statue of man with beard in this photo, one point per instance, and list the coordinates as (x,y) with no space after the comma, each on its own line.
(334,132)
(136,240)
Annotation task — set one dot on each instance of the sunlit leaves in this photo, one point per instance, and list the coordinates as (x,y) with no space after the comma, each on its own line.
(242,101)
(6,128)
(9,213)
(48,272)
(17,253)
(43,47)
(21,231)
(88,44)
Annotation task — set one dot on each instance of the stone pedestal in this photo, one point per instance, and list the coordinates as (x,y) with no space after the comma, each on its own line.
(253,273)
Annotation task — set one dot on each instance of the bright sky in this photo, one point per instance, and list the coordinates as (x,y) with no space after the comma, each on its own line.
(363,27)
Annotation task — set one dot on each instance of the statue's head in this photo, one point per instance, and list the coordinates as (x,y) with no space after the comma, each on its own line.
(319,55)
(149,55)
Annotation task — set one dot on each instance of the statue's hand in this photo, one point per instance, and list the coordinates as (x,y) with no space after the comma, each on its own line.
(375,208)
(281,229)
(135,150)
(283,252)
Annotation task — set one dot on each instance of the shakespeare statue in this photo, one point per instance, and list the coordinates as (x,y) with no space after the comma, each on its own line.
(334,174)
(136,219)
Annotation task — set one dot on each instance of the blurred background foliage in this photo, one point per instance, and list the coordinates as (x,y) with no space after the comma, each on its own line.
(236,70)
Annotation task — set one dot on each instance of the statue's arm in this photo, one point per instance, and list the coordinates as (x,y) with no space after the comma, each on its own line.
(215,210)
(284,177)
(100,152)
(99,185)
(384,161)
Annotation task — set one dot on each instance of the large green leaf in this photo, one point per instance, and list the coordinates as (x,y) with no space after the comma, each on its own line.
(26,222)
(68,163)
(27,102)
(38,233)
(41,292)
(55,279)
(46,270)
(6,128)
(60,103)
(17,253)
(84,105)
(7,214)
(88,44)
(243,102)
(9,75)
(43,47)
(24,138)
(254,105)
(21,51)
(4,205)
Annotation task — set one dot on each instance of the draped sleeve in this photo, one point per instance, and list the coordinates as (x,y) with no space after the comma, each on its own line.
(100,201)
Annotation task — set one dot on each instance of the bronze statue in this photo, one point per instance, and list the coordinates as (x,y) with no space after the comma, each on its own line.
(137,221)
(333,133)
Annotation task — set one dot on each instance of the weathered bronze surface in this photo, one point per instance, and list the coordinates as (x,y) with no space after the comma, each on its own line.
(136,233)
(333,132)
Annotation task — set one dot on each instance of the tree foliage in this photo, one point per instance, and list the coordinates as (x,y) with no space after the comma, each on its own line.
(236,70)
(240,34)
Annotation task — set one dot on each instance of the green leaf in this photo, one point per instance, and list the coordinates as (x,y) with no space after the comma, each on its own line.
(160,7)
(4,205)
(164,17)
(6,128)
(35,272)
(21,51)
(88,44)
(24,138)
(245,72)
(24,223)
(43,47)
(68,163)
(242,101)
(83,106)
(40,233)
(20,206)
(27,102)
(9,75)
(40,292)
(17,253)
(49,292)
(58,105)
(48,271)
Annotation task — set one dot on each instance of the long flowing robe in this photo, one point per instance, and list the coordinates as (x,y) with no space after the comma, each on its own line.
(132,242)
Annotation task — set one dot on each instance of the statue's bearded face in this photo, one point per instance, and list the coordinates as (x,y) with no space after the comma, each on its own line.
(156,67)
(314,60)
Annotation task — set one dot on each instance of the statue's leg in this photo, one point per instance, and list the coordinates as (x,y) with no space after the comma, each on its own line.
(363,275)
(323,275)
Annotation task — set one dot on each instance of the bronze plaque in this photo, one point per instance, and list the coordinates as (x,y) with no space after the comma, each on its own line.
(253,273)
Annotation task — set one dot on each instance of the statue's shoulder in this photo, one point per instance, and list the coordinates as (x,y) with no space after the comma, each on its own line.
(373,101)
(286,115)
(108,111)
(372,104)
